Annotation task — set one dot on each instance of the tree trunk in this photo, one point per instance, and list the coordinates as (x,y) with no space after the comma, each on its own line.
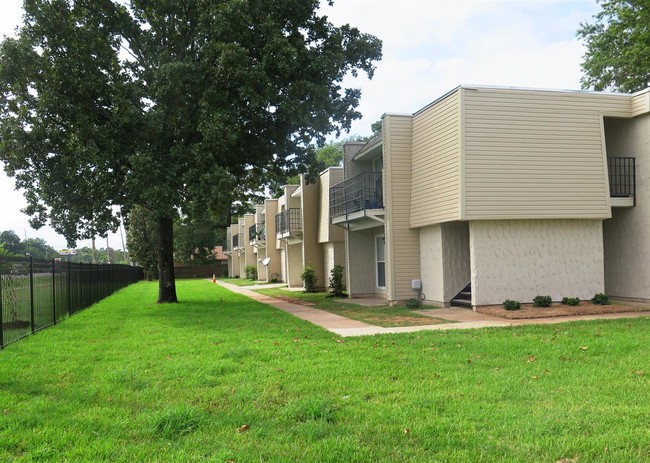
(166,281)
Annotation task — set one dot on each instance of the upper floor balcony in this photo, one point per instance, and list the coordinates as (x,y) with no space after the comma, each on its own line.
(357,198)
(288,224)
(238,243)
(622,181)
(226,247)
(257,235)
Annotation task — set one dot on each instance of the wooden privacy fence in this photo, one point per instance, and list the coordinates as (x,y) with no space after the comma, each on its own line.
(201,271)
(35,294)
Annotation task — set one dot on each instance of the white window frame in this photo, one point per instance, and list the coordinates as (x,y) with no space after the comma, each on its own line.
(382,235)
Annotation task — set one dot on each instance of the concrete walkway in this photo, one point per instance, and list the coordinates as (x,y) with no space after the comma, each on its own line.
(458,318)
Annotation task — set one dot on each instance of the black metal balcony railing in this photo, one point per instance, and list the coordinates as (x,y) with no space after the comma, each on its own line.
(359,193)
(288,222)
(622,177)
(256,233)
(261,232)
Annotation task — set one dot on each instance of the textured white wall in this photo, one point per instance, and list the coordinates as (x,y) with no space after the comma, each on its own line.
(520,259)
(627,234)
(333,254)
(444,260)
(431,267)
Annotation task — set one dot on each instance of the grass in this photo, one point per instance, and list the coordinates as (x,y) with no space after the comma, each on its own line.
(221,378)
(384,315)
(243,281)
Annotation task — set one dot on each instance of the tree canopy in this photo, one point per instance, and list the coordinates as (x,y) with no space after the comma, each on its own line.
(35,247)
(168,105)
(618,46)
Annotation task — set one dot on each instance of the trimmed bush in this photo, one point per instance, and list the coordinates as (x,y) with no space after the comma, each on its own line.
(275,278)
(542,301)
(413,303)
(251,272)
(309,278)
(511,305)
(572,301)
(600,299)
(336,280)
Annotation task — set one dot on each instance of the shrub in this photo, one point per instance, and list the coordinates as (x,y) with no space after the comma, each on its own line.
(309,278)
(251,272)
(413,303)
(336,280)
(572,301)
(511,305)
(600,299)
(275,278)
(542,301)
(224,272)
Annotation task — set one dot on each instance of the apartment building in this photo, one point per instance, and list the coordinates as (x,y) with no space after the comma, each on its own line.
(290,232)
(495,193)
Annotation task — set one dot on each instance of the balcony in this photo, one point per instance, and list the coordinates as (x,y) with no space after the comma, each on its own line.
(622,181)
(357,198)
(257,235)
(238,243)
(226,250)
(288,225)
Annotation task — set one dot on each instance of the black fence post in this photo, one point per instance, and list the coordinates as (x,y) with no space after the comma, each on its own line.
(54,291)
(31,292)
(69,287)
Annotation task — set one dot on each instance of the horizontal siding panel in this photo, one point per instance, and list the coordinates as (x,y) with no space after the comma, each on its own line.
(435,189)
(536,153)
(641,103)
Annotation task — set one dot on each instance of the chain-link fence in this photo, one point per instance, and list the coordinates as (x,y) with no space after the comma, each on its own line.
(35,294)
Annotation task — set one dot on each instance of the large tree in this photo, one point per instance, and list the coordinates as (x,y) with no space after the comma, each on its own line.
(167,105)
(618,46)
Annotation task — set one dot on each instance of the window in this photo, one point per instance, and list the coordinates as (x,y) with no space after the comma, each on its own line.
(380,252)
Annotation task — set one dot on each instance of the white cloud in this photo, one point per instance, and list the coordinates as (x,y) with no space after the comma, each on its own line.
(430,47)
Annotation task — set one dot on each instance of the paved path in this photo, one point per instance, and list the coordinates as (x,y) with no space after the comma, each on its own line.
(460,318)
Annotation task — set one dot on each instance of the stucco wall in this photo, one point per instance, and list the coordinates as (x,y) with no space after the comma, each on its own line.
(333,254)
(444,260)
(627,234)
(431,263)
(520,259)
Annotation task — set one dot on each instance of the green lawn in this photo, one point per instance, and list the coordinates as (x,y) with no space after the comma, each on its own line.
(131,381)
(242,281)
(385,316)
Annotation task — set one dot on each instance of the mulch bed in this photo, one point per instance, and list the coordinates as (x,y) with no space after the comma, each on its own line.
(558,310)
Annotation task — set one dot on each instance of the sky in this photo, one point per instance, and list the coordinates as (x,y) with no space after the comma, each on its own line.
(429,48)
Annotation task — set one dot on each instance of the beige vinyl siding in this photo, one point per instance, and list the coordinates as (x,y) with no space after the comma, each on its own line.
(326,231)
(436,162)
(402,242)
(641,103)
(536,154)
(312,251)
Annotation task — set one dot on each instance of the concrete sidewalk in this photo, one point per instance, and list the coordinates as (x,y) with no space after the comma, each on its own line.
(458,318)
